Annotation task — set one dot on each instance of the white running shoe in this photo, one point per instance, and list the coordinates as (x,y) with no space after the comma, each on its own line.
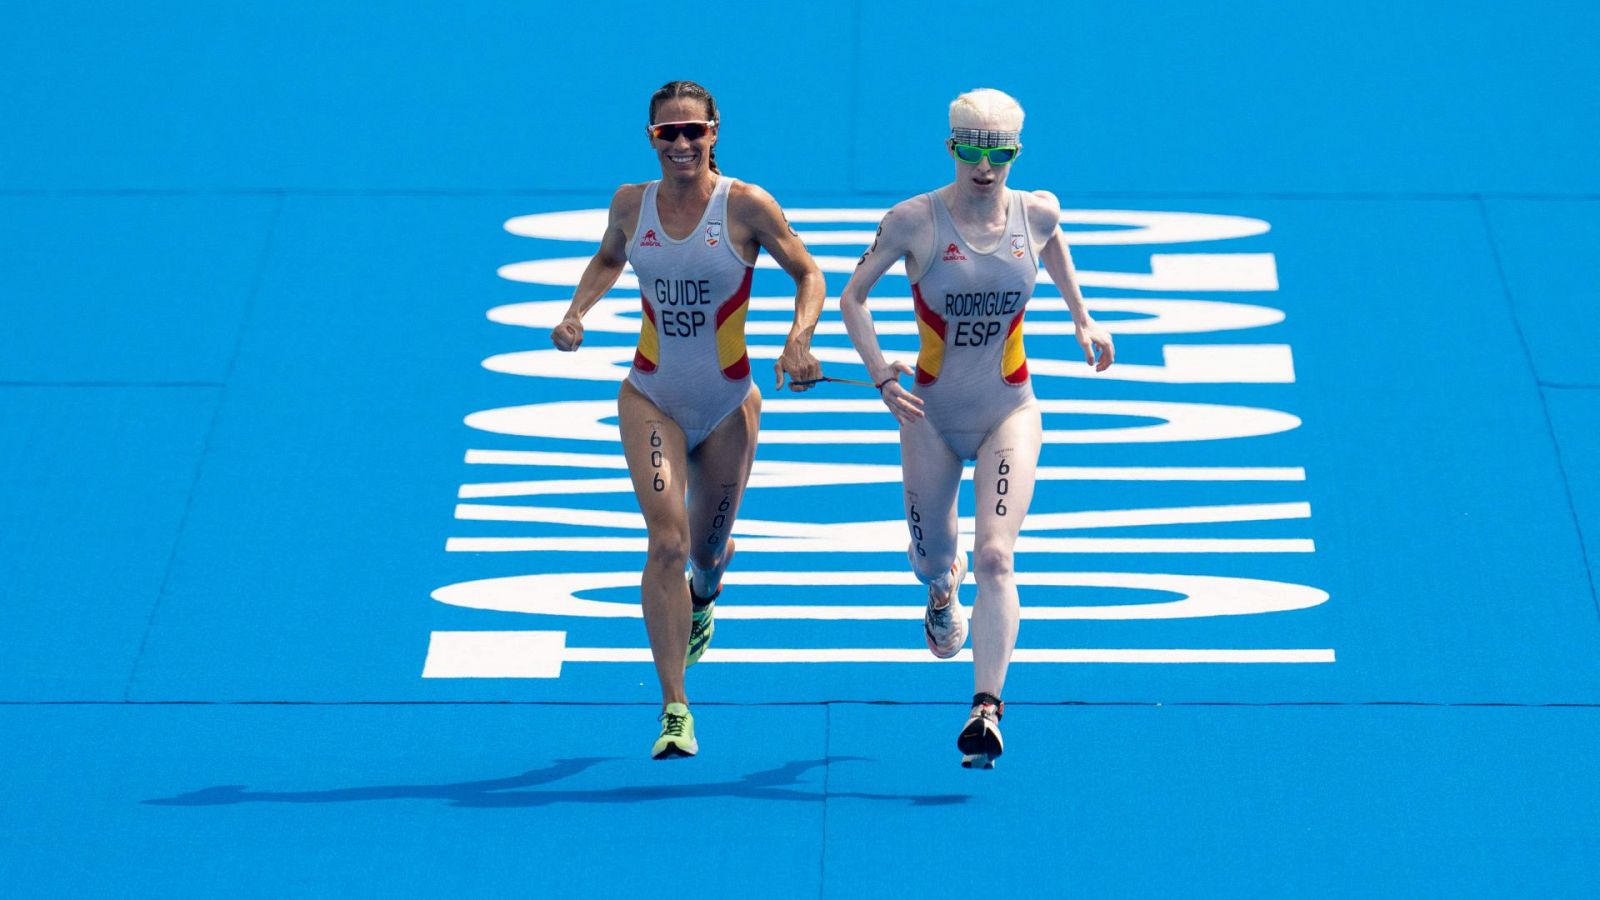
(980,743)
(944,623)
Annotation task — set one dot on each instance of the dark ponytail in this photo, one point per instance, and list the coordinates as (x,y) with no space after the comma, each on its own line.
(674,89)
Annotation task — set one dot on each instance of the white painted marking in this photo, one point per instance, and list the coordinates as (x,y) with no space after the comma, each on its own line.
(893,316)
(821,545)
(547,458)
(1168,272)
(468,657)
(494,654)
(1198,596)
(582,487)
(1129,226)
(590,420)
(1191,272)
(777,473)
(797,472)
(1184,364)
(541,654)
(873,531)
(1023,655)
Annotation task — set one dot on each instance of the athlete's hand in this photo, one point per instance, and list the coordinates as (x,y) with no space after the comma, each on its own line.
(568,335)
(799,364)
(906,406)
(1094,339)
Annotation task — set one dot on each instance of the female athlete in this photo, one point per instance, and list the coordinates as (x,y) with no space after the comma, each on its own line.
(972,250)
(688,410)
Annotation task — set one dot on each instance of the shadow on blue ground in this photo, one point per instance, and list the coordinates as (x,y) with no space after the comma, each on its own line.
(779,783)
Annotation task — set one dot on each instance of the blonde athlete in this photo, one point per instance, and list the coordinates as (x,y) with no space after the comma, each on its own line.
(972,250)
(688,410)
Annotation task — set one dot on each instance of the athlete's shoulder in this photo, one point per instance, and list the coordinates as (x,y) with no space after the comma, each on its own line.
(1043,210)
(909,215)
(1042,201)
(1044,198)
(747,198)
(911,207)
(625,201)
(630,193)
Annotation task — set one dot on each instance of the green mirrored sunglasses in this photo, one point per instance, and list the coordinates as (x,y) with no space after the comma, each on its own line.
(998,156)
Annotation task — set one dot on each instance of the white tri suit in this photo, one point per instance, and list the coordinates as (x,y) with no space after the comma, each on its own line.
(972,372)
(691,361)
(972,377)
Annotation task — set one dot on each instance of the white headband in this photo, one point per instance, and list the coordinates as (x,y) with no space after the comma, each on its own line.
(981,138)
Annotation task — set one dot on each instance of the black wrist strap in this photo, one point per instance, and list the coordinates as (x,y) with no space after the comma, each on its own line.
(880,384)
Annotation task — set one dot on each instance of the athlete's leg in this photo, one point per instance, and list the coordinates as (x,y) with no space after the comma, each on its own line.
(932,475)
(718,471)
(658,464)
(1003,488)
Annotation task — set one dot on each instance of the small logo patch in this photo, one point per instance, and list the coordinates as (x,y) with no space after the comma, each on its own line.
(713,234)
(1019,246)
(952,253)
(649,239)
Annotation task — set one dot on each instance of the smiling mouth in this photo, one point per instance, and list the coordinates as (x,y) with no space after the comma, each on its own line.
(681,160)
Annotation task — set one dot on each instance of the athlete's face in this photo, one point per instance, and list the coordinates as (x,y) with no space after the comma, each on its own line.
(682,157)
(983,176)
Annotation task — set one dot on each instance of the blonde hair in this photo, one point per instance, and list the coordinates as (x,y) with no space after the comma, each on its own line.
(986,108)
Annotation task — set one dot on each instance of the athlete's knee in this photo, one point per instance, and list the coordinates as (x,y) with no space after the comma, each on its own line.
(706,555)
(929,565)
(993,560)
(669,548)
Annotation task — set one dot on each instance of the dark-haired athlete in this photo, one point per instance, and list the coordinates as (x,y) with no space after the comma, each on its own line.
(970,252)
(688,410)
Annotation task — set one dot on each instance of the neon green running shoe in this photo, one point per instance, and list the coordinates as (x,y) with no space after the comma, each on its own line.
(705,612)
(702,626)
(677,733)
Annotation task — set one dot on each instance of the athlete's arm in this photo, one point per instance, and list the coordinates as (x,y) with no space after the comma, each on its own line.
(1044,211)
(898,234)
(604,269)
(772,231)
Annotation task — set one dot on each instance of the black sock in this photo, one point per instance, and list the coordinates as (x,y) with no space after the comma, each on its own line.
(981,697)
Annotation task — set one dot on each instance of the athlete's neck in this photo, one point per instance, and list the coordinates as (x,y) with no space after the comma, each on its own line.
(968,204)
(684,189)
